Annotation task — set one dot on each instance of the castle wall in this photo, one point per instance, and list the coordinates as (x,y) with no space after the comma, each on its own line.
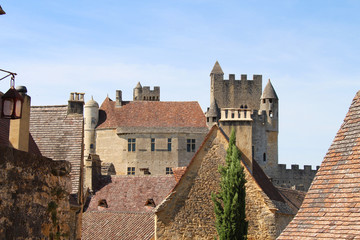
(296,178)
(34,197)
(112,147)
(233,93)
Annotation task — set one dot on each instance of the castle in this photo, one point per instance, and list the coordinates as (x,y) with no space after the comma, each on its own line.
(241,104)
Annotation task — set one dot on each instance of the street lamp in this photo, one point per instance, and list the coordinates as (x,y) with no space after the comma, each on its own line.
(12,101)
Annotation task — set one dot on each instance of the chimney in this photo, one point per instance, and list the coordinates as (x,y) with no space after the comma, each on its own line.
(19,128)
(118,98)
(76,103)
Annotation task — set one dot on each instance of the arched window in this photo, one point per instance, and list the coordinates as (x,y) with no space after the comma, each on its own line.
(245,106)
(241,106)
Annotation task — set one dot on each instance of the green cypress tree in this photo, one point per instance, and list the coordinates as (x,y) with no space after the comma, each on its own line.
(229,203)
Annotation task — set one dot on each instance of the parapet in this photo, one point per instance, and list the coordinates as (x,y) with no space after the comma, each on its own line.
(150,95)
(243,77)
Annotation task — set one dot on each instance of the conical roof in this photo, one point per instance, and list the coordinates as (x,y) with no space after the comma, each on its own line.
(138,85)
(213,110)
(269,91)
(217,69)
(91,103)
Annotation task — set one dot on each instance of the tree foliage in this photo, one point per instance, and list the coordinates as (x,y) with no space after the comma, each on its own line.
(229,203)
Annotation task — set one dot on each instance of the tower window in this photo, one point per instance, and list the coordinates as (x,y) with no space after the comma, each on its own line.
(241,106)
(214,119)
(168,171)
(264,157)
(245,106)
(131,144)
(271,114)
(169,144)
(131,171)
(264,100)
(190,145)
(207,119)
(153,144)
(91,146)
(270,100)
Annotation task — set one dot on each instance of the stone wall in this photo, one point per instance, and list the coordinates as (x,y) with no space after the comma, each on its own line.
(34,197)
(189,214)
(113,148)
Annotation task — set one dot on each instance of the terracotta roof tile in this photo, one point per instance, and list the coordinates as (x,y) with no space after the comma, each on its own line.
(331,209)
(117,225)
(151,114)
(130,193)
(59,136)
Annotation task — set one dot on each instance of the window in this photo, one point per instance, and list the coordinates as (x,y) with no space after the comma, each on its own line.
(103,203)
(264,157)
(271,114)
(214,119)
(131,144)
(131,171)
(270,100)
(153,144)
(190,145)
(264,101)
(91,146)
(169,144)
(169,170)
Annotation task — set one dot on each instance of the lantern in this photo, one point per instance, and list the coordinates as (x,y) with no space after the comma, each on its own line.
(12,103)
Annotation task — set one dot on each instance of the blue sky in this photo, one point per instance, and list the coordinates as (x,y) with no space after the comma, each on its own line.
(309,49)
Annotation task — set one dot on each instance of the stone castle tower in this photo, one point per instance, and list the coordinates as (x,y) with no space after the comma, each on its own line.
(254,115)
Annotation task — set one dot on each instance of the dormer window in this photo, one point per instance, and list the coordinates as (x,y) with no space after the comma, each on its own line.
(103,203)
(150,203)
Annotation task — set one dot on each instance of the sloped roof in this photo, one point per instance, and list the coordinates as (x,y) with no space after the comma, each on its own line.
(216,69)
(258,174)
(151,114)
(269,91)
(59,136)
(331,209)
(130,193)
(114,226)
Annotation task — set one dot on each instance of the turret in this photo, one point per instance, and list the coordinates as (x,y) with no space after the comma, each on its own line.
(91,117)
(137,96)
(270,104)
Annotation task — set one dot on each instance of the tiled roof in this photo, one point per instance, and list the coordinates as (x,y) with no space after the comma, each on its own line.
(178,172)
(59,136)
(117,225)
(130,193)
(331,209)
(151,114)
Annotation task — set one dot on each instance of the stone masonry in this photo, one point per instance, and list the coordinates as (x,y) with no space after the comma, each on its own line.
(34,197)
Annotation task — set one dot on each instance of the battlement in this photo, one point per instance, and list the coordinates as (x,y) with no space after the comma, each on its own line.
(146,94)
(235,114)
(243,77)
(294,177)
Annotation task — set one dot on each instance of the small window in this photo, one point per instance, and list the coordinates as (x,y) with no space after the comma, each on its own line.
(131,144)
(214,119)
(153,144)
(264,157)
(131,171)
(271,114)
(245,106)
(232,115)
(270,100)
(264,100)
(207,119)
(103,203)
(169,144)
(226,113)
(190,145)
(244,114)
(241,106)
(168,171)
(91,146)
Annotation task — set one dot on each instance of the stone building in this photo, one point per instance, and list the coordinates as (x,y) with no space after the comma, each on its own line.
(254,114)
(144,136)
(188,211)
(331,208)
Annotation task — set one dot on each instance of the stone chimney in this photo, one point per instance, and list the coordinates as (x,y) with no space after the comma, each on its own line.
(19,128)
(92,172)
(76,103)
(118,98)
